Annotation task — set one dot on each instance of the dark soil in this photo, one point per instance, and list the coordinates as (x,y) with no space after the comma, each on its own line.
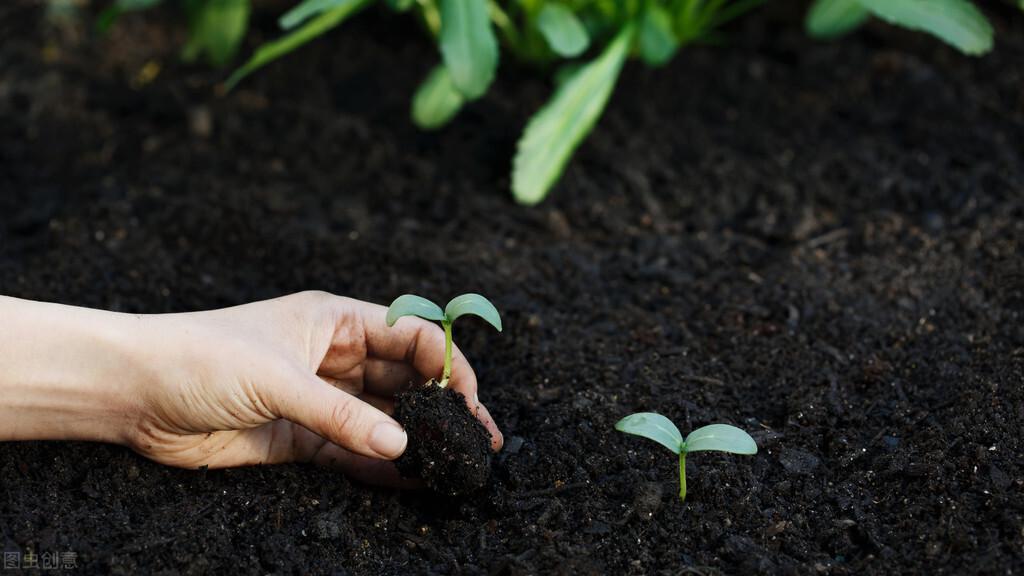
(449,449)
(818,242)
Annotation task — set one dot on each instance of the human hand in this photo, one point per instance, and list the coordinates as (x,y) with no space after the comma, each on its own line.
(308,377)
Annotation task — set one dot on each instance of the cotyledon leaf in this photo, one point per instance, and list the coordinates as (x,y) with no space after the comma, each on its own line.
(652,426)
(412,305)
(720,437)
(473,304)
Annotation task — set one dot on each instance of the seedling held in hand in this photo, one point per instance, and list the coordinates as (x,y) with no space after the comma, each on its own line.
(475,304)
(449,448)
(720,437)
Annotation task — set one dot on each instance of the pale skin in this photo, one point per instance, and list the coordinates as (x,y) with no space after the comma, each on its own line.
(308,377)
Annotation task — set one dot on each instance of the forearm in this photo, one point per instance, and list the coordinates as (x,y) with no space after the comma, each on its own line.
(66,373)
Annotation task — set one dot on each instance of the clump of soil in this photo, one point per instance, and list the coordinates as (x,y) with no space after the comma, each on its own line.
(448,447)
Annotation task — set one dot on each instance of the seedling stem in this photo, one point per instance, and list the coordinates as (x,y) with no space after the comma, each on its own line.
(447,375)
(682,475)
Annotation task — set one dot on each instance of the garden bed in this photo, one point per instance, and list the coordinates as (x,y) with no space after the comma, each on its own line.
(818,242)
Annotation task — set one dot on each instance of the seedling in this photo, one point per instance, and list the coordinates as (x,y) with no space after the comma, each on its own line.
(720,437)
(475,304)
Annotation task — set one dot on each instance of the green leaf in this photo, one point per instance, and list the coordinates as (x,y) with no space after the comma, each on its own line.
(412,305)
(554,132)
(833,18)
(720,437)
(957,22)
(658,42)
(468,45)
(217,30)
(437,100)
(296,38)
(563,32)
(652,426)
(476,305)
(306,10)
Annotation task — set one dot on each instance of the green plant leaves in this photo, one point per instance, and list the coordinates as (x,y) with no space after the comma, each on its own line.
(313,28)
(720,437)
(957,22)
(412,305)
(468,45)
(833,18)
(216,29)
(657,40)
(562,30)
(652,426)
(554,132)
(476,305)
(437,100)
(306,10)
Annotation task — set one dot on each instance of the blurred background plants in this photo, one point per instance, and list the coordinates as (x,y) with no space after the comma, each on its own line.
(582,43)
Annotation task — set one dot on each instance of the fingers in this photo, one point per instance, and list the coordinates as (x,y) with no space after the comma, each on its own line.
(388,377)
(482,414)
(410,351)
(421,344)
(385,404)
(381,377)
(336,416)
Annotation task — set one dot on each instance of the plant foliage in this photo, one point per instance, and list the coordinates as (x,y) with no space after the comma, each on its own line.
(590,39)
(466,304)
(717,437)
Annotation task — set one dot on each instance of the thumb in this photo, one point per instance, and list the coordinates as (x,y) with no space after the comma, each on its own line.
(337,416)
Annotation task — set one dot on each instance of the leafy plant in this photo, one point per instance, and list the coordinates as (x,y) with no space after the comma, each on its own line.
(957,22)
(720,437)
(475,304)
(468,34)
(585,42)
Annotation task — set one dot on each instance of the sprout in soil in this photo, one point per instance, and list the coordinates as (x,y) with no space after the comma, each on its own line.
(720,437)
(411,305)
(449,448)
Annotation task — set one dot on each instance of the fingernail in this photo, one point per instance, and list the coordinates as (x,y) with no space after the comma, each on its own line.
(476,399)
(388,440)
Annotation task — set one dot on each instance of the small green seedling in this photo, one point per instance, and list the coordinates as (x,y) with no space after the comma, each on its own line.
(475,304)
(720,437)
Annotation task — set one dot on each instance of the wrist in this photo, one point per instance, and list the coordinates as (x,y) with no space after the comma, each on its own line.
(66,373)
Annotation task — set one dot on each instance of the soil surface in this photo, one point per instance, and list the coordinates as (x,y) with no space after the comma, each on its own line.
(449,449)
(818,242)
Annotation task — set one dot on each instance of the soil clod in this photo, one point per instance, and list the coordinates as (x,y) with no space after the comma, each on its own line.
(448,447)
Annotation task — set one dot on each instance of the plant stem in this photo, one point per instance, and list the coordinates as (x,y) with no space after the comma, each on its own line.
(682,475)
(447,353)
